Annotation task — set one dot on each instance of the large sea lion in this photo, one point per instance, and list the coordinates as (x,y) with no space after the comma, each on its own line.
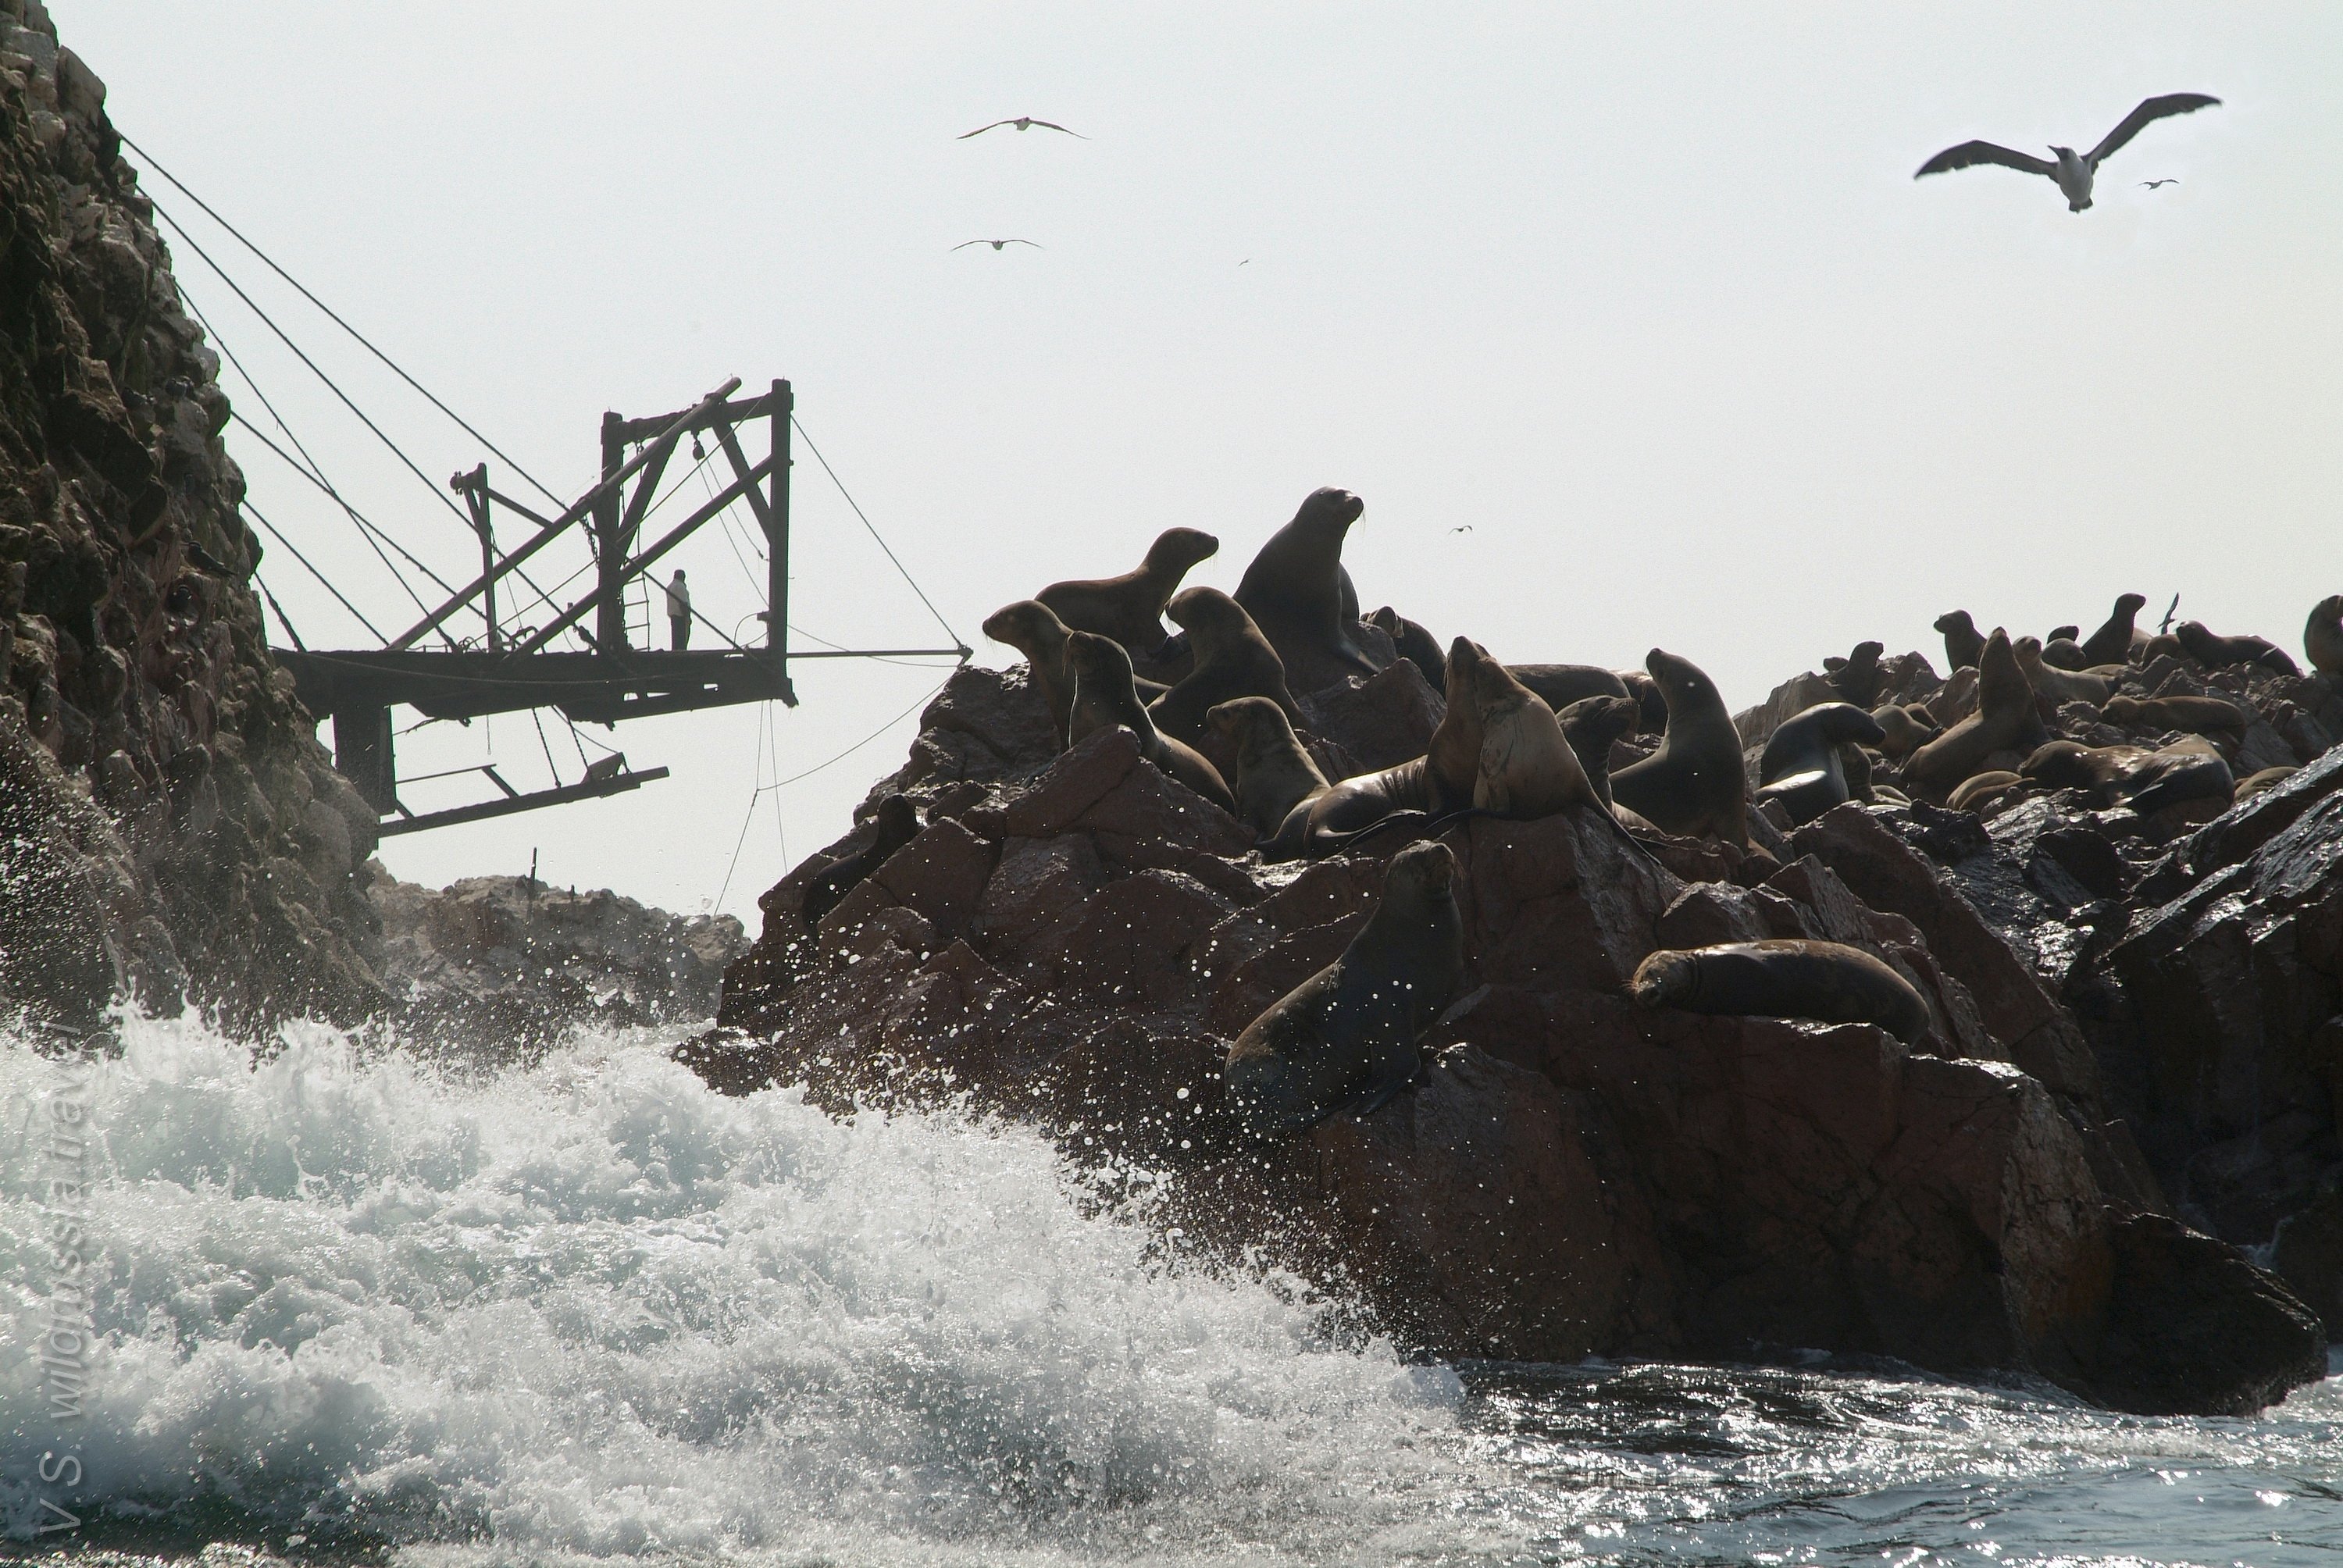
(2144,781)
(1103,697)
(2112,643)
(1130,608)
(2005,721)
(2189,714)
(895,824)
(1857,678)
(1348,1034)
(1562,683)
(1903,729)
(1590,724)
(1436,784)
(1527,768)
(2060,686)
(1415,645)
(1694,783)
(1294,592)
(2219,652)
(1033,629)
(1802,765)
(1964,644)
(1784,978)
(1275,773)
(2322,637)
(1232,660)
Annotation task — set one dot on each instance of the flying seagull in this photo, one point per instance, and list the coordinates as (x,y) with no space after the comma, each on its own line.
(1023,122)
(2153,185)
(996,244)
(2072,171)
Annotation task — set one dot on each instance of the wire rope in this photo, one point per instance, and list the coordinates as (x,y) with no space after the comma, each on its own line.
(314,572)
(867,524)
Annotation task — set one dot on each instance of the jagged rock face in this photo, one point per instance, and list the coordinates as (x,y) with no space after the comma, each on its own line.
(168,824)
(501,967)
(1075,939)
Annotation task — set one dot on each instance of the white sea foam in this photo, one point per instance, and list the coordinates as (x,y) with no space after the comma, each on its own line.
(592,1307)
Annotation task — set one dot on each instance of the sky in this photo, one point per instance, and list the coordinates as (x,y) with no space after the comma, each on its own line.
(1643,300)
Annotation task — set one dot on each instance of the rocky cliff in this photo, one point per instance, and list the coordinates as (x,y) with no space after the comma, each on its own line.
(169,826)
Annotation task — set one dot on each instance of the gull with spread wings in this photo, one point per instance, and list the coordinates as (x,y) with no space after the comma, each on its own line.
(1023,122)
(996,244)
(2073,171)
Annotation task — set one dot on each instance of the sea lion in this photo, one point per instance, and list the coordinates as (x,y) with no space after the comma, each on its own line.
(2064,653)
(1347,1035)
(1033,629)
(1275,773)
(1649,699)
(1784,978)
(1294,592)
(2158,647)
(2005,720)
(2322,637)
(1694,783)
(1903,730)
(1103,697)
(1857,678)
(1415,645)
(1980,792)
(1434,785)
(1232,660)
(1802,765)
(1560,685)
(2063,634)
(2219,652)
(2130,775)
(1527,768)
(895,824)
(1590,724)
(2060,686)
(2112,643)
(1130,608)
(2256,783)
(1964,644)
(2189,714)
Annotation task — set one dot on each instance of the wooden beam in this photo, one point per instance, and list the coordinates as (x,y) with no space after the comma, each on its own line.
(487,808)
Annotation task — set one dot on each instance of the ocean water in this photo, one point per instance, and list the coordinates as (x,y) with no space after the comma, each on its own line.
(345,1305)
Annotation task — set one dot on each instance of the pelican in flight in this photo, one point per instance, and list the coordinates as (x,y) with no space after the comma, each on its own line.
(2073,171)
(1023,122)
(996,244)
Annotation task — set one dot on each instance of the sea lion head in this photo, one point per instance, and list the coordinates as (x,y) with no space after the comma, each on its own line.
(2199,639)
(1331,505)
(2121,710)
(1030,627)
(1865,655)
(1425,870)
(1177,549)
(1205,610)
(1839,722)
(1652,703)
(2130,604)
(2064,633)
(1680,680)
(1599,720)
(898,820)
(1241,720)
(1098,658)
(2063,765)
(1956,621)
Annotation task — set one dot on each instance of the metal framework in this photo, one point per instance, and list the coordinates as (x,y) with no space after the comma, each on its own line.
(511,669)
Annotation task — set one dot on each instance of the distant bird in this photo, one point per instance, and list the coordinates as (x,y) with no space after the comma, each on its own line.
(2153,185)
(1462,529)
(2073,173)
(997,244)
(1023,122)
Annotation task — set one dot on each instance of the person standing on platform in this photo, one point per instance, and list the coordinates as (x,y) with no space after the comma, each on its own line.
(679,611)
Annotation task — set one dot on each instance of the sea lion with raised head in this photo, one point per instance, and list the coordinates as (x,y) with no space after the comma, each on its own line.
(2188,715)
(1964,644)
(1527,768)
(1105,697)
(1130,608)
(1033,629)
(1232,659)
(1857,678)
(1903,729)
(1434,785)
(2060,686)
(2221,652)
(2005,721)
(1590,724)
(1802,766)
(1275,773)
(2112,642)
(1294,591)
(895,824)
(1694,783)
(1826,981)
(2322,638)
(1347,1035)
(1415,645)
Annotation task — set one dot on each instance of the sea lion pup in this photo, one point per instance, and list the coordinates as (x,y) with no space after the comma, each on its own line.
(1590,724)
(1902,731)
(1232,660)
(2219,652)
(1415,645)
(2256,783)
(1103,697)
(1964,644)
(1347,1035)
(895,824)
(2005,721)
(1857,678)
(1802,766)
(2189,714)
(2322,637)
(1434,785)
(1694,783)
(2144,781)
(1784,978)
(2059,686)
(1275,773)
(1980,792)
(1560,685)
(1294,592)
(2112,643)
(1130,608)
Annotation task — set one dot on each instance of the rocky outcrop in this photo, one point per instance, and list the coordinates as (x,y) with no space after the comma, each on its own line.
(170,827)
(1073,940)
(502,967)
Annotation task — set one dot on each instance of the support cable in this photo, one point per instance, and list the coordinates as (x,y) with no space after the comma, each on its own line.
(282,618)
(366,530)
(851,501)
(314,572)
(334,317)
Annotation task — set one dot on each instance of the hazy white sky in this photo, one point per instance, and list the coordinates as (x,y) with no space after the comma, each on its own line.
(1646,296)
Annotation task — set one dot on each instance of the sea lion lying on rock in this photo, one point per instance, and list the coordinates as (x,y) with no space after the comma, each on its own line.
(1232,660)
(2267,779)
(2060,686)
(1981,792)
(895,824)
(1348,1034)
(1436,784)
(1560,685)
(1964,644)
(1694,783)
(2220,652)
(2322,638)
(1103,697)
(1802,766)
(1784,978)
(2133,775)
(1130,608)
(2189,714)
(1275,773)
(2112,642)
(1299,595)
(2005,721)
